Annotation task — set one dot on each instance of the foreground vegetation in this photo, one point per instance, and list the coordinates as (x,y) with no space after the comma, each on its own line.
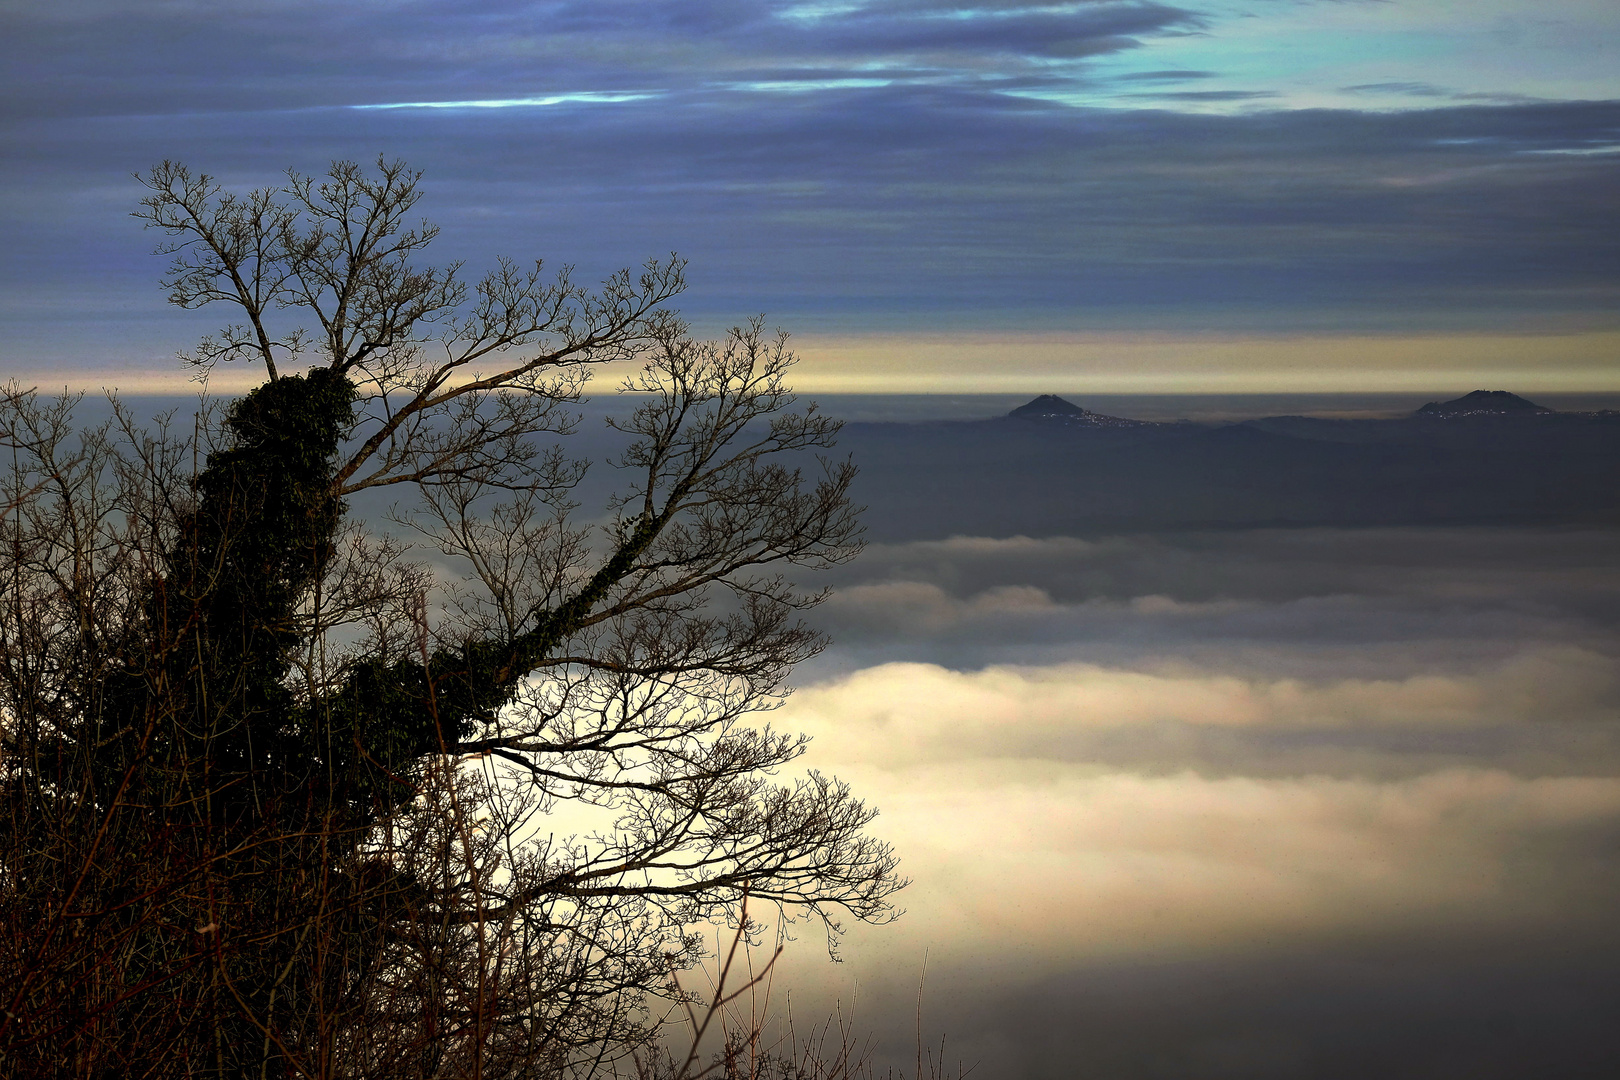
(286,797)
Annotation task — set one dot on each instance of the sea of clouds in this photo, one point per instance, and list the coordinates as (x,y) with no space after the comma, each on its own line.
(1330,769)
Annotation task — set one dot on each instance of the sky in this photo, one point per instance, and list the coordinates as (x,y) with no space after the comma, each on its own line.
(1108,195)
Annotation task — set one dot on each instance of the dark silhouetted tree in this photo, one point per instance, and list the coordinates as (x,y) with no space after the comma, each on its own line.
(283,797)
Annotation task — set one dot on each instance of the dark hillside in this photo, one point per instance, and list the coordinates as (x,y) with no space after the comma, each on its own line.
(1009,476)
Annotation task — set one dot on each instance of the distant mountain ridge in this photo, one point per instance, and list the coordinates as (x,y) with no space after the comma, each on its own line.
(1051,409)
(1050,467)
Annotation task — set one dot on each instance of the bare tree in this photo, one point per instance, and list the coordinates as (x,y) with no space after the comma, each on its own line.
(278,800)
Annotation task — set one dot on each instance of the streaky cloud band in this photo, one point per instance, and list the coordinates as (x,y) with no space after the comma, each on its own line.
(592,97)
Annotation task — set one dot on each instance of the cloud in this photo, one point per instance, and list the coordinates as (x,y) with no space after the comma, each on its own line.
(1171,75)
(1055,871)
(1118,919)
(1023,873)
(1275,803)
(1538,711)
(914,605)
(1376,653)
(907,164)
(1067,31)
(1209,95)
(1413,89)
(833,209)
(1016,710)
(852,190)
(296,55)
(1316,587)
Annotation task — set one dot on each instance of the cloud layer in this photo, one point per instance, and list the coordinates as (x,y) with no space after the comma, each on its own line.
(1348,775)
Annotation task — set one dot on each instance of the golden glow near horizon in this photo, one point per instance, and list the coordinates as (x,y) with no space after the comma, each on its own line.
(1147,364)
(1075,363)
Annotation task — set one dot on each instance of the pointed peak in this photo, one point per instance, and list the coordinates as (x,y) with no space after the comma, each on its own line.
(1048,405)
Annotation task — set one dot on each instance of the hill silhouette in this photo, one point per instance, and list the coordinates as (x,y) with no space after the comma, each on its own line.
(1051,467)
(1051,409)
(1484,403)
